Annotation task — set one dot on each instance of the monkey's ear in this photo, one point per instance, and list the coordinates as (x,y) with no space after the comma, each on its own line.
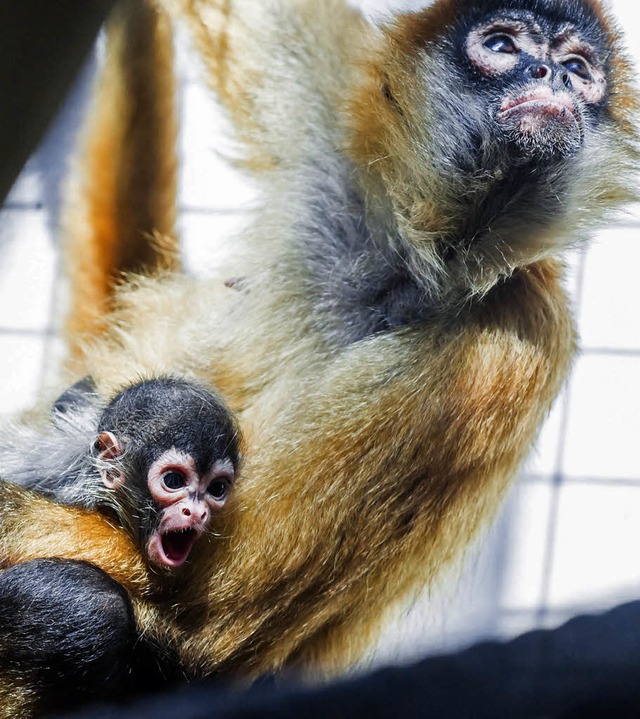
(108,447)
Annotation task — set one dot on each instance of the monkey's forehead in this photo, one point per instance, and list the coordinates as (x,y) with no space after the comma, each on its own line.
(555,10)
(204,439)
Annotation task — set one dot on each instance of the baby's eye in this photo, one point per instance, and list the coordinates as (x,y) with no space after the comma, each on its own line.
(173,480)
(218,489)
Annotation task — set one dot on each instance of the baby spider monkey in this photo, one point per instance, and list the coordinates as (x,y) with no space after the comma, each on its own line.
(160,458)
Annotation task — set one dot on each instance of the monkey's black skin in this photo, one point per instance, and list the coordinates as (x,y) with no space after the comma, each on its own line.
(67,630)
(551,16)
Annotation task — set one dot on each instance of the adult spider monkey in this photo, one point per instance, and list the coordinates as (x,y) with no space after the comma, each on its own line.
(399,329)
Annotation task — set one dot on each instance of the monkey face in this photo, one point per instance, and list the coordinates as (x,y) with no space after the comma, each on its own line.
(469,89)
(186,499)
(484,125)
(544,79)
(167,452)
(167,505)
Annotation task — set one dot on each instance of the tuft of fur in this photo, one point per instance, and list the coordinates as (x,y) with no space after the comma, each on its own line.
(56,459)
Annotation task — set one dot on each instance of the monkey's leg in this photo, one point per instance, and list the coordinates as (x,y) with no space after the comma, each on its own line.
(267,61)
(119,213)
(67,635)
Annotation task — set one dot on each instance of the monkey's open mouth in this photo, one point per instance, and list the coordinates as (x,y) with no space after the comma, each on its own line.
(172,548)
(177,545)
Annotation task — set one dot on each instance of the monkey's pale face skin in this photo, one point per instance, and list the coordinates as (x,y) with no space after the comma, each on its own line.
(553,76)
(187,500)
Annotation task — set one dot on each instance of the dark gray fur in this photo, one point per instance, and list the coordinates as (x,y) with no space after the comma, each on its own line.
(359,284)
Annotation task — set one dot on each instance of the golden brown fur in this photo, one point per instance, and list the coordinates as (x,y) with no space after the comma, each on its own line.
(371,462)
(120,210)
(114,552)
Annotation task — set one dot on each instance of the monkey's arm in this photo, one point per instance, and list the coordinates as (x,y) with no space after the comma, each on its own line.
(32,527)
(280,68)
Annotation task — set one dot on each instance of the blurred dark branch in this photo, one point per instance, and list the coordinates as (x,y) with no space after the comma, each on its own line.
(43,44)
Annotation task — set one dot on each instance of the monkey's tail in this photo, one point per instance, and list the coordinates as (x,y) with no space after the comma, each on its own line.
(120,205)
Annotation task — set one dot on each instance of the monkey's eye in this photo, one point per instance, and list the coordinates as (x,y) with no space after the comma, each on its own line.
(577,66)
(218,489)
(500,42)
(173,480)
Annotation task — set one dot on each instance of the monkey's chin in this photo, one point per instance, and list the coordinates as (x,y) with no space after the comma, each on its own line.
(542,128)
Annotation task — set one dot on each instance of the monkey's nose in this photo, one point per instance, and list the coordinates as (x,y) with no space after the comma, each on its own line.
(539,71)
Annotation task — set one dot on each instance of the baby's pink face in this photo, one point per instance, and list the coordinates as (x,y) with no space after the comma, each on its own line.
(187,500)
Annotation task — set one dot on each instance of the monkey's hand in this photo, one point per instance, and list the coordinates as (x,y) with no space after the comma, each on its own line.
(33,527)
